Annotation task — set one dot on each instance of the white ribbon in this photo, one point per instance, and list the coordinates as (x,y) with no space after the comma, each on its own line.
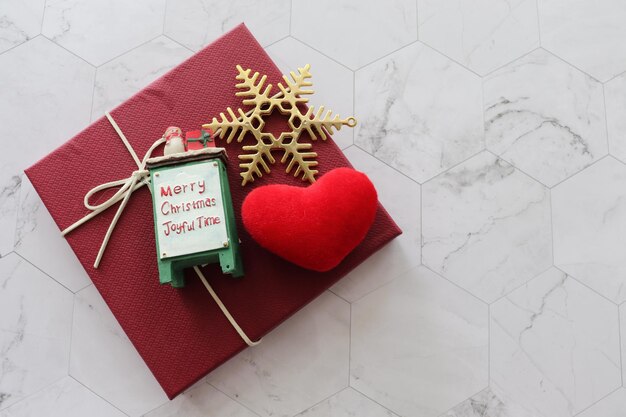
(127,186)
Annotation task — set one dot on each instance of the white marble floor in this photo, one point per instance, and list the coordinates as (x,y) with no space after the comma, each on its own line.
(495,132)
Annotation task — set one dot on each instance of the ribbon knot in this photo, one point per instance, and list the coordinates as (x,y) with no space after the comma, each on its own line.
(127,186)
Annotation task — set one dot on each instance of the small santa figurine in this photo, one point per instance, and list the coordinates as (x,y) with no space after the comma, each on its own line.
(175,142)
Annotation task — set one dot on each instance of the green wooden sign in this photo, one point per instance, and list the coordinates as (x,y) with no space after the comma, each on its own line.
(194,219)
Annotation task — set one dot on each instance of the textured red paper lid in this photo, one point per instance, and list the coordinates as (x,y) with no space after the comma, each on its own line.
(181,334)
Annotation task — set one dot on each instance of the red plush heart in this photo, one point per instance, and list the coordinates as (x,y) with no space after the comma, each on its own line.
(313,227)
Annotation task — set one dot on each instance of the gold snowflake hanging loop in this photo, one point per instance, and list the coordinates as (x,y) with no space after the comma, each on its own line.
(288,101)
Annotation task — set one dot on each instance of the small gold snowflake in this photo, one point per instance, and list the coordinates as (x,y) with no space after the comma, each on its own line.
(289,102)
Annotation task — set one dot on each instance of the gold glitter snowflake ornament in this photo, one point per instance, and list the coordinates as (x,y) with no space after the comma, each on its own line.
(289,101)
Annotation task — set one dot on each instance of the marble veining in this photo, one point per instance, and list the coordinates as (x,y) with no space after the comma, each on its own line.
(65,398)
(486,209)
(99,30)
(34,330)
(481,35)
(589,227)
(355,34)
(614,93)
(484,125)
(195,23)
(119,374)
(408,339)
(20,20)
(555,345)
(347,403)
(35,227)
(122,77)
(201,400)
(9,197)
(587,34)
(282,375)
(488,403)
(545,117)
(405,101)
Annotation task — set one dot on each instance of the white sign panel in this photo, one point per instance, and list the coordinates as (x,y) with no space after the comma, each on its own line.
(189,209)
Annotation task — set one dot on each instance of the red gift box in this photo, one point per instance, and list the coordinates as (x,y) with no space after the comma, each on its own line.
(181,333)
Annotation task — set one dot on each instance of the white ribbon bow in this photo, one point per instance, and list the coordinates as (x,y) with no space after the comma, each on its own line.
(127,186)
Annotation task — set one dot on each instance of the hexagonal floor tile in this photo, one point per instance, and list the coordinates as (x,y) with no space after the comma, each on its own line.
(481,35)
(195,23)
(588,34)
(99,30)
(555,345)
(38,239)
(202,400)
(419,344)
(401,197)
(347,403)
(614,94)
(355,34)
(20,20)
(55,86)
(485,209)
(104,360)
(589,211)
(611,406)
(545,117)
(281,376)
(122,77)
(35,327)
(333,83)
(405,103)
(489,403)
(65,398)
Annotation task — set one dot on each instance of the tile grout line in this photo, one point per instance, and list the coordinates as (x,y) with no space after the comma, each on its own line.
(551,226)
(621,348)
(421,224)
(99,396)
(521,171)
(488,345)
(465,399)
(603,157)
(606,119)
(585,285)
(290,15)
(512,290)
(388,54)
(67,50)
(597,401)
(538,22)
(453,283)
(42,271)
(129,50)
(571,64)
(320,52)
(383,162)
(374,401)
(31,395)
(490,73)
(69,356)
(167,2)
(320,402)
(179,44)
(234,399)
